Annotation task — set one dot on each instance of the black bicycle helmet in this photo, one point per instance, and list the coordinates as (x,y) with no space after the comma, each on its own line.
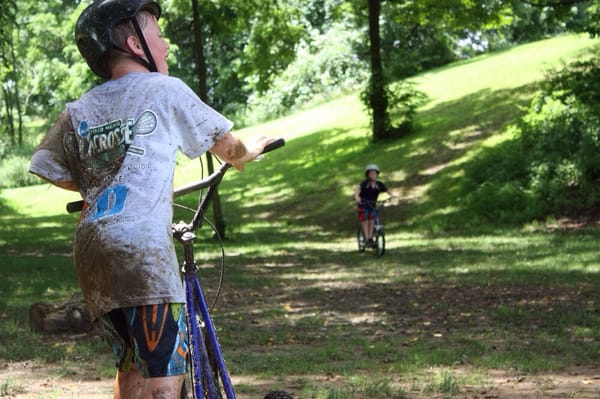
(93,31)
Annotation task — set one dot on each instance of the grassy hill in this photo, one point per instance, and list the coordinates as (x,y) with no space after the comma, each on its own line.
(471,105)
(449,302)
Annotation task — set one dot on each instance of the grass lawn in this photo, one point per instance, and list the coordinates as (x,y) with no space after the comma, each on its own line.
(453,302)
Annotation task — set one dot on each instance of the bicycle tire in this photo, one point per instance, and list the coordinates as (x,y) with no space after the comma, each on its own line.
(379,243)
(278,395)
(209,246)
(360,240)
(187,389)
(218,266)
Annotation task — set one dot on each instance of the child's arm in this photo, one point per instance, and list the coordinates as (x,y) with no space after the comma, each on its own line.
(357,194)
(50,161)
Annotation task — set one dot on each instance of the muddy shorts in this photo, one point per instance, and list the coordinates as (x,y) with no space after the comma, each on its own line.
(151,337)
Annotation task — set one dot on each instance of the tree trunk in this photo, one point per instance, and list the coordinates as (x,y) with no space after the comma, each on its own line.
(203,94)
(377,94)
(216,203)
(17,98)
(9,122)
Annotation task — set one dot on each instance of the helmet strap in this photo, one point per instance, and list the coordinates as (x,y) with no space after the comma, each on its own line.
(150,63)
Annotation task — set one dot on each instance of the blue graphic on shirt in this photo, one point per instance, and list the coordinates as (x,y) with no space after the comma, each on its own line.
(83,129)
(110,202)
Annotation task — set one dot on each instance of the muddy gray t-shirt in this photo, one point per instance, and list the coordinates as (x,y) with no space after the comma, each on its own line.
(119,144)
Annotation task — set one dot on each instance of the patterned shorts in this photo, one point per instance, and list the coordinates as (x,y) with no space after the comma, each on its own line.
(151,337)
(365,213)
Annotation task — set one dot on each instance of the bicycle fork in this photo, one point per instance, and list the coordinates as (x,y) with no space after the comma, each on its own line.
(203,379)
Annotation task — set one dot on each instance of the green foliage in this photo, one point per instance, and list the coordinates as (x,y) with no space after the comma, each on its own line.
(52,72)
(14,172)
(274,31)
(408,47)
(325,66)
(561,140)
(551,167)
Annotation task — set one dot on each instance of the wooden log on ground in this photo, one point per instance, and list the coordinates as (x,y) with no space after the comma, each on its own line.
(68,316)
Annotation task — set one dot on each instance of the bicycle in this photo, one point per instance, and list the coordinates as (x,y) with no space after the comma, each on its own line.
(378,244)
(209,377)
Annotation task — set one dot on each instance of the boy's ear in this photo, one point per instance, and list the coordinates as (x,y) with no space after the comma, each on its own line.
(133,45)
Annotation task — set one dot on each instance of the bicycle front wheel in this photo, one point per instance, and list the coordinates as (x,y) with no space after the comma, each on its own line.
(379,243)
(360,240)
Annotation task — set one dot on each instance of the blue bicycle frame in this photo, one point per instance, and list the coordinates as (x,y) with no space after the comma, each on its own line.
(204,380)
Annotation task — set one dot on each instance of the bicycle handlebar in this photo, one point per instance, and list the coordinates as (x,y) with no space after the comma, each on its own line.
(215,176)
(77,206)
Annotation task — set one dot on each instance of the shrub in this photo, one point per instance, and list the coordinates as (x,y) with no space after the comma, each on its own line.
(551,168)
(14,172)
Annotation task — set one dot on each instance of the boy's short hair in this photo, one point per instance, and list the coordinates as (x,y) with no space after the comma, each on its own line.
(123,30)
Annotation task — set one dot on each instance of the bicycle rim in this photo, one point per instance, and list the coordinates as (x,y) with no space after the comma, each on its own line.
(380,242)
(211,253)
(360,240)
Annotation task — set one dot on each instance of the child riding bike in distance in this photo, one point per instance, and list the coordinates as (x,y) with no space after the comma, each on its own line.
(117,146)
(365,195)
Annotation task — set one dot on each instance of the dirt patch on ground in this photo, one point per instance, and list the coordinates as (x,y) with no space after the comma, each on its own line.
(27,381)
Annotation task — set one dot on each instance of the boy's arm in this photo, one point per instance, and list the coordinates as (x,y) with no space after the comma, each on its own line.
(357,194)
(65,185)
(50,161)
(233,150)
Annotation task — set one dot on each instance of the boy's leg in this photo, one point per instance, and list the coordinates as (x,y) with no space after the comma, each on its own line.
(362,218)
(129,384)
(163,387)
(365,229)
(152,337)
(370,227)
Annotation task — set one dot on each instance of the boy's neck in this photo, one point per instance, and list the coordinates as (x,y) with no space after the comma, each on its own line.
(125,66)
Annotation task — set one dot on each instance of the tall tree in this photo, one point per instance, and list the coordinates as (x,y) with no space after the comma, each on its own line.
(444,15)
(236,47)
(9,74)
(201,69)
(377,96)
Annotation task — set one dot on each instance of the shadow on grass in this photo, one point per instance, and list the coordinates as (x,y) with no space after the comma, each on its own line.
(509,305)
(309,182)
(36,235)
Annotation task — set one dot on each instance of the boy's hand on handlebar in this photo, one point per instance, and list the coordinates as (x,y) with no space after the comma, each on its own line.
(254,147)
(236,152)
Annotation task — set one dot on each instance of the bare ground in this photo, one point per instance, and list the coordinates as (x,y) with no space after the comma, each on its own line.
(32,380)
(27,381)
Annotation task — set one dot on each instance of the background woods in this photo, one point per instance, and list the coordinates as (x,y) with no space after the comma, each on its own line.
(256,60)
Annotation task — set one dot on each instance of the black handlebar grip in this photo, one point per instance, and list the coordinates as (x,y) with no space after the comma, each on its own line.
(75,206)
(273,145)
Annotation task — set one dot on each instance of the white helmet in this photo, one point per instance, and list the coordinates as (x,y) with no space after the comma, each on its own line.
(371,167)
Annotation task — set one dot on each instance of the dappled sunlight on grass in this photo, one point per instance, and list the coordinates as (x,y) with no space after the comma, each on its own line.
(450,290)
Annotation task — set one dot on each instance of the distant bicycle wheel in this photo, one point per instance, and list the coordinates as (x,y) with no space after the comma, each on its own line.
(360,240)
(379,242)
(278,395)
